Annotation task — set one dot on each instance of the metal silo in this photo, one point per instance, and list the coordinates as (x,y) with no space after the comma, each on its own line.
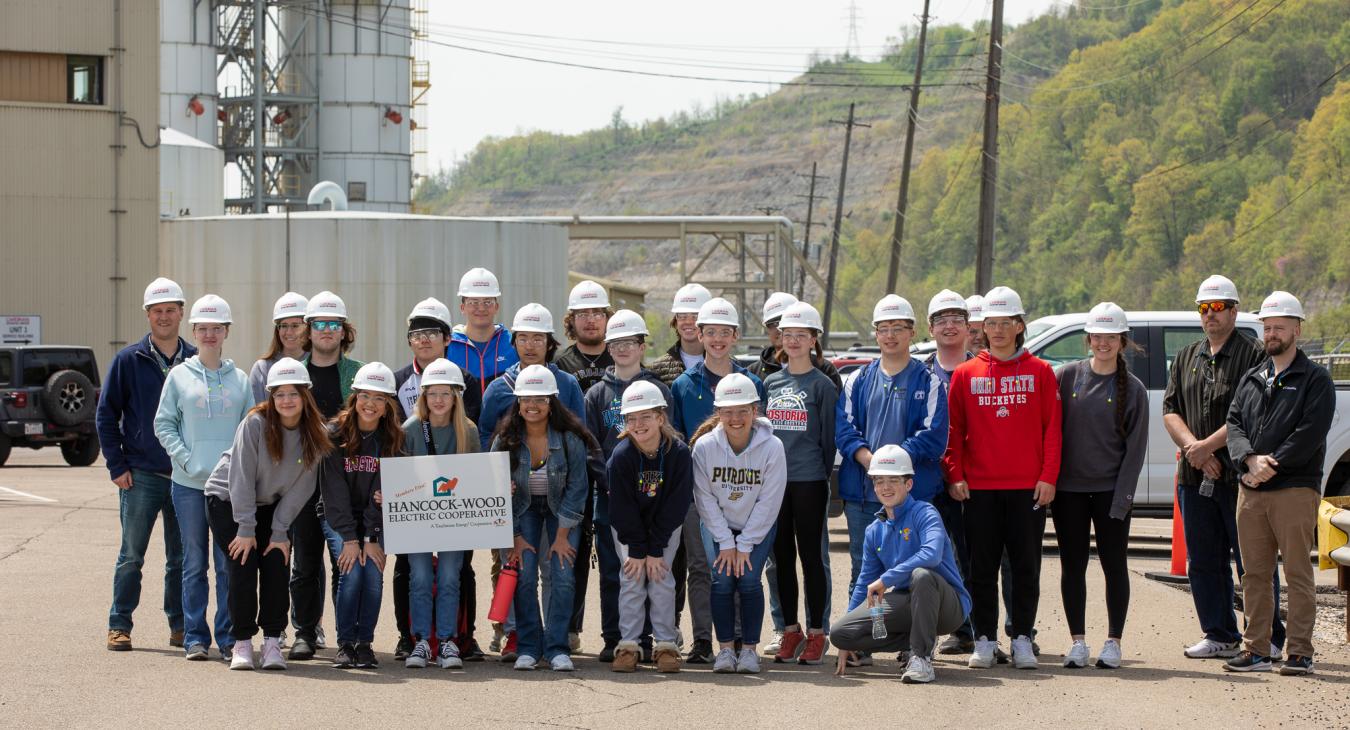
(187,69)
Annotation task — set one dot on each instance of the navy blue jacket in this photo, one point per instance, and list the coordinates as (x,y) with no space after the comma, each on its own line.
(127,405)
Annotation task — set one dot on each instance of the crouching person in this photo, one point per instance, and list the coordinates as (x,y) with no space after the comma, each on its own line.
(908,571)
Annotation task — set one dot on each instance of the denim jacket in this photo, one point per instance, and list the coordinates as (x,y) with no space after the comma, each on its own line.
(567,480)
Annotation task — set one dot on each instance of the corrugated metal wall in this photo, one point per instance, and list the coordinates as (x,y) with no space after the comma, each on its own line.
(380,264)
(56,190)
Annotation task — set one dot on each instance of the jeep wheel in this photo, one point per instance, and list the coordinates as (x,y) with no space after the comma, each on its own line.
(4,449)
(69,398)
(80,452)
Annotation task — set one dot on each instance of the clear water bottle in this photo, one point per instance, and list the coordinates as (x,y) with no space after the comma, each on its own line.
(878,614)
(1206,487)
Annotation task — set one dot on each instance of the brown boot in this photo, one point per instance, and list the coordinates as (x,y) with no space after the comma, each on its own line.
(667,657)
(625,657)
(176,638)
(118,640)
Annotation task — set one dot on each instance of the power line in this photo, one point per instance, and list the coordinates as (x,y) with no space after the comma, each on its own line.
(1278,211)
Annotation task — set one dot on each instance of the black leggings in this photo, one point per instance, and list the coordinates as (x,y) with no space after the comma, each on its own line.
(801,526)
(1073,513)
(259,595)
(997,520)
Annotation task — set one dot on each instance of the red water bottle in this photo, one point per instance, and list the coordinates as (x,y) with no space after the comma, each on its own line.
(504,593)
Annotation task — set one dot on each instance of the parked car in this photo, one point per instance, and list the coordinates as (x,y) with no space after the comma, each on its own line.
(48,394)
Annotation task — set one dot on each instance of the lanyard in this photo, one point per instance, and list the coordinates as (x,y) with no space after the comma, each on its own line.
(426,437)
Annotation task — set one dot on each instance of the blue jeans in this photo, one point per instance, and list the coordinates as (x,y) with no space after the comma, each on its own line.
(198,548)
(446,578)
(749,588)
(138,508)
(858,515)
(539,527)
(359,593)
(1211,549)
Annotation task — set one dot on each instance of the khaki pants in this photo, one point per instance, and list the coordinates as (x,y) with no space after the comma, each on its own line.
(1269,522)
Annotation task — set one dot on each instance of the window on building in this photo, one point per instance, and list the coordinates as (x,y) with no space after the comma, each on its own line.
(84,79)
(356,191)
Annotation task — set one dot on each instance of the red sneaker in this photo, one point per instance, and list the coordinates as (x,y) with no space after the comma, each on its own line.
(792,644)
(509,651)
(814,653)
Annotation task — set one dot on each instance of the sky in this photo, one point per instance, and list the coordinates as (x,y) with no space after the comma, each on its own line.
(475,95)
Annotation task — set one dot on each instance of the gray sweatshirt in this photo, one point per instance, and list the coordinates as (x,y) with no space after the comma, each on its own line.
(738,495)
(1094,457)
(801,409)
(247,477)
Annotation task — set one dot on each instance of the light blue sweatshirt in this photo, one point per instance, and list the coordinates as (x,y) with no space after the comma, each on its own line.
(199,410)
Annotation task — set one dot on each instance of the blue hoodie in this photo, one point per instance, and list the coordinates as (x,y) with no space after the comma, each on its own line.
(909,409)
(498,396)
(892,550)
(199,410)
(486,363)
(693,393)
(127,406)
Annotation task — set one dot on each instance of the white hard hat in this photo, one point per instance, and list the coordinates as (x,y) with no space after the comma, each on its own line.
(891,307)
(288,371)
(535,380)
(1107,318)
(625,323)
(289,305)
(975,308)
(891,461)
(431,308)
(480,283)
(776,304)
(801,315)
(210,309)
(163,290)
(588,295)
(441,372)
(326,304)
(641,396)
(374,376)
(735,389)
(718,311)
(533,317)
(690,298)
(1217,288)
(1002,301)
(1281,304)
(946,300)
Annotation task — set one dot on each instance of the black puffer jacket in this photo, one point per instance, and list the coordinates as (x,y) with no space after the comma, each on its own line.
(1288,420)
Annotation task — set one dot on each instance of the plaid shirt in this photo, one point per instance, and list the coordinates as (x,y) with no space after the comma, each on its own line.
(1201,386)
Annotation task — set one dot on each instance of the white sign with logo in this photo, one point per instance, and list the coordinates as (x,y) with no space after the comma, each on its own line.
(20,329)
(449,502)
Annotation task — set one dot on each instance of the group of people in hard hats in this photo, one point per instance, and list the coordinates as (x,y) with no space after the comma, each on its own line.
(695,481)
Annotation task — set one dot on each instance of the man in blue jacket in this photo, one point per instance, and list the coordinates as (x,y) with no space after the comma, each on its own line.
(138,463)
(480,347)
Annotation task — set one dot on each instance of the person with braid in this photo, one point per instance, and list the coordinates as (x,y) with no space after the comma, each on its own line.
(1105,440)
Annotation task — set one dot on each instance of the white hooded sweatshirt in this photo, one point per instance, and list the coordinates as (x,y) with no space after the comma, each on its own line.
(739,493)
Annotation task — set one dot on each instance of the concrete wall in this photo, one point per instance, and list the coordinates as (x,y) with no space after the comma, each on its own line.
(380,264)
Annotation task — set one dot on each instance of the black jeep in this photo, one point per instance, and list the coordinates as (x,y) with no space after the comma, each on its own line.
(48,394)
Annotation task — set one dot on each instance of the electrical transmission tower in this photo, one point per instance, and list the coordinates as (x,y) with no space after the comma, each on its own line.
(854,47)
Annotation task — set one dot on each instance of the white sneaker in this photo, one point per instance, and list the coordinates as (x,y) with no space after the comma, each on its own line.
(983,656)
(243,655)
(725,663)
(562,663)
(574,641)
(1275,654)
(747,662)
(417,658)
(1208,648)
(1023,656)
(319,641)
(271,654)
(525,663)
(776,643)
(1077,658)
(1110,656)
(448,657)
(919,671)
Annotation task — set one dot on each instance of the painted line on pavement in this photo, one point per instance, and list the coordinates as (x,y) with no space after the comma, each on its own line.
(17,493)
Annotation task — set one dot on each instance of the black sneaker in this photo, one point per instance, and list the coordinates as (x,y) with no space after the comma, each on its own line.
(1248,662)
(700,653)
(344,659)
(365,656)
(1001,656)
(956,645)
(1035,648)
(1297,665)
(301,650)
(470,651)
(606,654)
(403,648)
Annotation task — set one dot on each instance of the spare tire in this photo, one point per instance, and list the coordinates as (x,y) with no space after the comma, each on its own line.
(69,398)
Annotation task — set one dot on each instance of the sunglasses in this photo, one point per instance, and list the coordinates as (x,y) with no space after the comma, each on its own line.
(1207,307)
(326,325)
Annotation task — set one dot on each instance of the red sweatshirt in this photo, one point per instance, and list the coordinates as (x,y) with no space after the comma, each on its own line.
(1004,417)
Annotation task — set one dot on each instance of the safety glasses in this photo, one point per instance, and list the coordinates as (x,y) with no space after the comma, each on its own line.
(1219,306)
(326,325)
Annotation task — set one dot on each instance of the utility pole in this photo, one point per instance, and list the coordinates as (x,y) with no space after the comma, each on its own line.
(984,246)
(806,237)
(838,219)
(902,205)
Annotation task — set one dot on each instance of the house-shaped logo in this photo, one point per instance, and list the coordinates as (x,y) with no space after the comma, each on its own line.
(442,487)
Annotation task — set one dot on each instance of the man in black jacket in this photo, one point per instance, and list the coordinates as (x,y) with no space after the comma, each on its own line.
(1277,437)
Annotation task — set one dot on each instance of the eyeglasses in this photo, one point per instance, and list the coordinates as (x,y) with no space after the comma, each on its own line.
(589,314)
(644,418)
(326,325)
(718,332)
(797,336)
(894,331)
(624,345)
(441,394)
(1207,307)
(479,303)
(999,324)
(952,319)
(426,335)
(290,326)
(532,400)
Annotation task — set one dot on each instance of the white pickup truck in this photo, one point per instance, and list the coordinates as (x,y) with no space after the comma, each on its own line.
(1058,339)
